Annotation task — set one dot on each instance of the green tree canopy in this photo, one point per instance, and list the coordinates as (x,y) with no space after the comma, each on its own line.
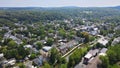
(39,45)
(54,55)
(12,44)
(46,65)
(105,61)
(49,41)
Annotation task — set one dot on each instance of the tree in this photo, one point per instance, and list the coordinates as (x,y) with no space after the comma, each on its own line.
(46,65)
(86,36)
(11,53)
(21,65)
(78,33)
(91,38)
(22,52)
(32,56)
(62,33)
(49,41)
(76,56)
(63,60)
(105,61)
(113,53)
(12,44)
(39,45)
(6,41)
(63,66)
(54,55)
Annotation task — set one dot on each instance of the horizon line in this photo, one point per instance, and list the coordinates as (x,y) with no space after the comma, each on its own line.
(56,6)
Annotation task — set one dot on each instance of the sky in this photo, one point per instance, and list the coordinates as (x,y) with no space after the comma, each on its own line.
(59,3)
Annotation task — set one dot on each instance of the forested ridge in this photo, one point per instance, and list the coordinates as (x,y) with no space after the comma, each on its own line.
(36,14)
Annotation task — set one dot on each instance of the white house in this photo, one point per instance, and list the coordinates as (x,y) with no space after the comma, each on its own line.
(11,62)
(46,48)
(103,41)
(28,46)
(1,55)
(90,55)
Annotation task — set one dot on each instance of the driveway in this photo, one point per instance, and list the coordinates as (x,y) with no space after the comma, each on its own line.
(91,64)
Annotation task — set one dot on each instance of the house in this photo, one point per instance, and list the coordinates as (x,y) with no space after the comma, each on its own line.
(103,41)
(65,46)
(46,48)
(11,62)
(90,55)
(5,27)
(79,39)
(1,55)
(110,35)
(28,46)
(28,64)
(45,51)
(34,50)
(39,61)
(3,63)
(95,29)
(94,52)
(93,32)
(62,40)
(103,51)
(8,35)
(41,41)
(116,40)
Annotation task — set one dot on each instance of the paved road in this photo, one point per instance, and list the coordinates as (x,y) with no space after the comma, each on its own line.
(69,52)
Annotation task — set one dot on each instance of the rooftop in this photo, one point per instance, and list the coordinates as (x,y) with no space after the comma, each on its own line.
(103,50)
(47,48)
(88,55)
(103,41)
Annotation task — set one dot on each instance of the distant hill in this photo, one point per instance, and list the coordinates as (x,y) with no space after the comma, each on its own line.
(117,7)
(36,14)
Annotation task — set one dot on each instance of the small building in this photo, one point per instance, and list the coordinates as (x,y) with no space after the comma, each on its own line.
(39,61)
(46,48)
(103,51)
(1,55)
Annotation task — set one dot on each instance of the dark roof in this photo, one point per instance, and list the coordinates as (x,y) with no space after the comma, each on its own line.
(38,61)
